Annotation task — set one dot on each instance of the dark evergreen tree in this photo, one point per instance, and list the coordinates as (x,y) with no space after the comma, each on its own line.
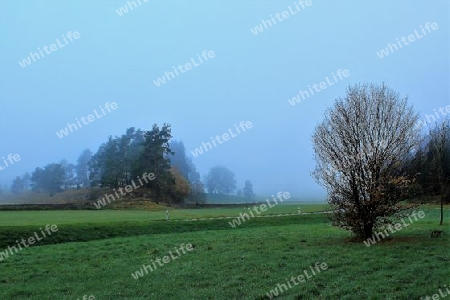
(50,179)
(155,158)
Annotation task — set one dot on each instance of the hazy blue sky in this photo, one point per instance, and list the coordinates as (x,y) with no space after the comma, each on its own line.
(250,78)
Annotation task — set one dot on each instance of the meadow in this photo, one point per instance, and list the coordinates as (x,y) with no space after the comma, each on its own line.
(157,212)
(96,253)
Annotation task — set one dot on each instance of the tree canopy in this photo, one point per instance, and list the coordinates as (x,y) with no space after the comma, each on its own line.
(220,180)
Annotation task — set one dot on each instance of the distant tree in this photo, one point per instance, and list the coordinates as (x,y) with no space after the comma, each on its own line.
(50,179)
(440,145)
(26,180)
(430,164)
(17,186)
(82,168)
(360,148)
(248,190)
(181,188)
(103,165)
(122,160)
(197,192)
(69,177)
(112,165)
(130,146)
(416,169)
(220,180)
(38,180)
(421,165)
(187,169)
(179,159)
(239,193)
(194,175)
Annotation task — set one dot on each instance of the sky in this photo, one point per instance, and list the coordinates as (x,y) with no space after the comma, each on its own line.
(246,74)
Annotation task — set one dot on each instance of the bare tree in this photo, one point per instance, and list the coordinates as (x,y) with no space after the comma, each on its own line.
(359,149)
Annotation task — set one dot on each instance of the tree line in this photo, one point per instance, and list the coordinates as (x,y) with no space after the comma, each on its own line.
(429,165)
(123,159)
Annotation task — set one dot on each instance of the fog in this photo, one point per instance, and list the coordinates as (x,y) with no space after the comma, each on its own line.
(122,68)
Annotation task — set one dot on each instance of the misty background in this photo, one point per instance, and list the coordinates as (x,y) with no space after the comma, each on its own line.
(251,77)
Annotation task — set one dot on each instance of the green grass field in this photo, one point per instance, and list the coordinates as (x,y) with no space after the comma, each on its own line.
(26,218)
(96,253)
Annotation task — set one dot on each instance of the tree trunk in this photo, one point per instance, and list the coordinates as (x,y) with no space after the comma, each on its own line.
(442,204)
(368,230)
